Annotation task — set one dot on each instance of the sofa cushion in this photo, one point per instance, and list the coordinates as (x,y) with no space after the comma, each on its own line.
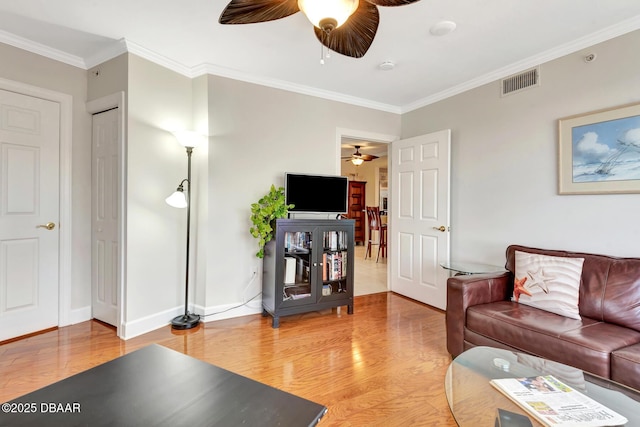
(622,294)
(585,343)
(625,366)
(549,283)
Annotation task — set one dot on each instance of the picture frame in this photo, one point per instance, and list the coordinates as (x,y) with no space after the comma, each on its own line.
(599,152)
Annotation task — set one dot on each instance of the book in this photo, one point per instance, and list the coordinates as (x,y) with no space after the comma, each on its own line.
(344,255)
(337,265)
(324,269)
(289,270)
(554,403)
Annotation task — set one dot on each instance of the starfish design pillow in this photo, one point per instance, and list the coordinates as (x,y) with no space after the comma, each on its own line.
(549,283)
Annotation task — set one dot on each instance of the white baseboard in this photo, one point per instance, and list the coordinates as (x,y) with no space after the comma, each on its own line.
(149,323)
(209,314)
(80,315)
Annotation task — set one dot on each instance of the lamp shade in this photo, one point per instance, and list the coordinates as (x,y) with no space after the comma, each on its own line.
(188,138)
(318,10)
(177,199)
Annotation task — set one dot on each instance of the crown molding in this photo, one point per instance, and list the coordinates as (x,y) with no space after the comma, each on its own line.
(592,39)
(156,58)
(114,49)
(292,87)
(126,46)
(42,50)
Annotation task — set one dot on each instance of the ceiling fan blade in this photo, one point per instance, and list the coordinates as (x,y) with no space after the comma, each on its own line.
(391,2)
(354,37)
(254,11)
(365,157)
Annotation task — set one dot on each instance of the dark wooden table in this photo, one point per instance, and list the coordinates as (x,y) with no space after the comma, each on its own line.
(156,386)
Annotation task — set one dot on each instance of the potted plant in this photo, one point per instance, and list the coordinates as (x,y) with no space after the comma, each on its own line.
(264,214)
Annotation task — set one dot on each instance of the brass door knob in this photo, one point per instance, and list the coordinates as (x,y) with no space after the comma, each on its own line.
(48,226)
(441,228)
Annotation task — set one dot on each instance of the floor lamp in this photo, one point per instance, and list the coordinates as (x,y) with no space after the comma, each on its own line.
(189,140)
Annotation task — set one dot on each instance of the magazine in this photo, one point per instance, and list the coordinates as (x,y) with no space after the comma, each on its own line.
(554,403)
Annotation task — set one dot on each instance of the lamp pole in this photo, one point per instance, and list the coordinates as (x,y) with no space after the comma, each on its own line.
(187,320)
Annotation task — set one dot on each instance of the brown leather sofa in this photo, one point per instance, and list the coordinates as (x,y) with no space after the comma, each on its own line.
(605,342)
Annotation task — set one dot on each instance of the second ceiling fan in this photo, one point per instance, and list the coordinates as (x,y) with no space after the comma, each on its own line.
(344,26)
(358,158)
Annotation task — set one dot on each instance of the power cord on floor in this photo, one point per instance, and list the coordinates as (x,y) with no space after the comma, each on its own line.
(253,276)
(233,308)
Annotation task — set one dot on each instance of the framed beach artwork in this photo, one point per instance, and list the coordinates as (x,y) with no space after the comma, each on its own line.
(599,152)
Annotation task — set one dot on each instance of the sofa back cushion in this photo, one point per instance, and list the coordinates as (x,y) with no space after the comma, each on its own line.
(609,287)
(622,294)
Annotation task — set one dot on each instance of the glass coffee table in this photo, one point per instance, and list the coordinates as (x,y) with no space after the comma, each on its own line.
(475,402)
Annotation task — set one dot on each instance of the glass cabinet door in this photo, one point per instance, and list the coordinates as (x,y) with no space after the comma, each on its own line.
(335,263)
(298,261)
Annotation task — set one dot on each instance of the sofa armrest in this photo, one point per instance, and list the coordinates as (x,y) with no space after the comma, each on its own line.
(469,290)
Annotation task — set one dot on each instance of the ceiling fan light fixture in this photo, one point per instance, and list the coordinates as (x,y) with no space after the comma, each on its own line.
(357,161)
(328,14)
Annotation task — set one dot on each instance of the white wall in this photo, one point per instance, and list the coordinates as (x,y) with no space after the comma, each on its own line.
(200,200)
(258,134)
(159,101)
(255,135)
(504,159)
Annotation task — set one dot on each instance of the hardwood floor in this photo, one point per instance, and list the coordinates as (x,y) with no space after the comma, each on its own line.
(384,365)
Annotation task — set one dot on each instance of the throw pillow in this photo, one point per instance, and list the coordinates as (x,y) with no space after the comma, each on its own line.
(549,283)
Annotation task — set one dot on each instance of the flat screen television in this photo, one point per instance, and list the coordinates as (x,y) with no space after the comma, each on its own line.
(316,193)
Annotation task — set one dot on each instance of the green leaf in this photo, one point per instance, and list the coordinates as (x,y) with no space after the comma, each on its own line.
(264,213)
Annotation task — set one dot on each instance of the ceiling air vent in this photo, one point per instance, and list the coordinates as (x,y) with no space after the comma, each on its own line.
(520,82)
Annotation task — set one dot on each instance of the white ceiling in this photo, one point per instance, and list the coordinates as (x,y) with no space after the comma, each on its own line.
(493,39)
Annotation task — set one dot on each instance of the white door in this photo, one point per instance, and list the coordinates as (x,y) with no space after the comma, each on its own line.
(105,176)
(29,199)
(420,176)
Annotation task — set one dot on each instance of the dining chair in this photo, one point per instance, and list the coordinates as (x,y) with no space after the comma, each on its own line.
(380,237)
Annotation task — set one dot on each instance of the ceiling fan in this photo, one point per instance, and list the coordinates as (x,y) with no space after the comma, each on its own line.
(358,158)
(344,26)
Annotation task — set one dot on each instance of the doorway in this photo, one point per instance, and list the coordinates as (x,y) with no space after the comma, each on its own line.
(370,276)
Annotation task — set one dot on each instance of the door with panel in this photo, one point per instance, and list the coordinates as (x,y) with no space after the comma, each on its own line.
(29,214)
(420,169)
(105,208)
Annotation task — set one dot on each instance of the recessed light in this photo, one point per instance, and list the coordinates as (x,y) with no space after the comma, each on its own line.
(442,28)
(387,66)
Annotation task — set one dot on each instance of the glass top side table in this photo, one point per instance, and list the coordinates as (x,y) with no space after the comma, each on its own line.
(471,268)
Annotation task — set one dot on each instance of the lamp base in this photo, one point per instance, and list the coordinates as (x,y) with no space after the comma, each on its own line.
(185,321)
